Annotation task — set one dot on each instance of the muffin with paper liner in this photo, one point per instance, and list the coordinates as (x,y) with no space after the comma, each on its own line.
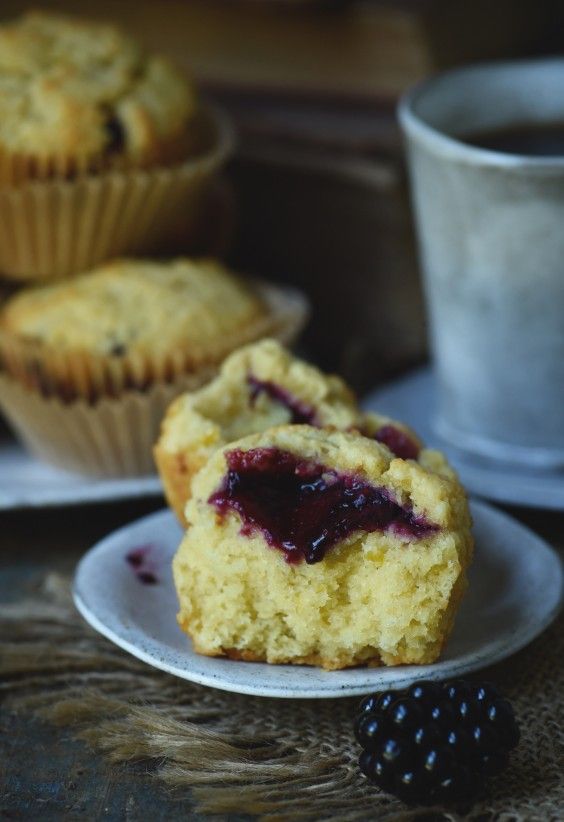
(101,144)
(88,366)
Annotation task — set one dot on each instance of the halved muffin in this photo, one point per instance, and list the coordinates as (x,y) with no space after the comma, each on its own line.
(87,367)
(320,547)
(260,386)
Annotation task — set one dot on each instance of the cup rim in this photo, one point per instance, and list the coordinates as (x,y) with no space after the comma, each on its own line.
(453,147)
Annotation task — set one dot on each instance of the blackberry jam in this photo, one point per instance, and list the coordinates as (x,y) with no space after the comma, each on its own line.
(303,508)
(301,412)
(398,442)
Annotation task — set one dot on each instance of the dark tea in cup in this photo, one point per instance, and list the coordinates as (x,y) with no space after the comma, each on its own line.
(529,139)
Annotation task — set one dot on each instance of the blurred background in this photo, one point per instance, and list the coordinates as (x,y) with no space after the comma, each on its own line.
(316,195)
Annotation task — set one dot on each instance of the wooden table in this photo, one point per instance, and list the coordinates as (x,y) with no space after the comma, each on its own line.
(44,773)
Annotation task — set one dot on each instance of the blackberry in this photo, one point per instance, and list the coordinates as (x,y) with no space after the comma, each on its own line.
(433,742)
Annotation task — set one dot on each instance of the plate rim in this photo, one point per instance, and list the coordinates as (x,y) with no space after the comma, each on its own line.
(333,690)
(84,490)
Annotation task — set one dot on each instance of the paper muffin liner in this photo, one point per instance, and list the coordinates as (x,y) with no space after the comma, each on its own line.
(113,438)
(113,434)
(55,228)
(81,374)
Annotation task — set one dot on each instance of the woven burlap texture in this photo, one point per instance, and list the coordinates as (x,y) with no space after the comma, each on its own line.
(277,759)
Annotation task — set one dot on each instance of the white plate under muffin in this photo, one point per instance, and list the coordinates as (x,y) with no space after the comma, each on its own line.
(123,587)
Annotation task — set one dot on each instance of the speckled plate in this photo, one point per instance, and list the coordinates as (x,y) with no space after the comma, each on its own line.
(27,483)
(123,587)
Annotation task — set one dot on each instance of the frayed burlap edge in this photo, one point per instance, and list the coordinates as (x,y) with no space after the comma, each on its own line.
(277,759)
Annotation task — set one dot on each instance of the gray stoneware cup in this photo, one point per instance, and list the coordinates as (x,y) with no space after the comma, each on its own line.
(491,239)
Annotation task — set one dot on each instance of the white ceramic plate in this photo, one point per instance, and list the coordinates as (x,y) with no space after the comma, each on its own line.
(27,483)
(412,400)
(515,591)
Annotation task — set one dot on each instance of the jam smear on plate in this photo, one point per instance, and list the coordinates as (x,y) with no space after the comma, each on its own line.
(143,564)
(304,508)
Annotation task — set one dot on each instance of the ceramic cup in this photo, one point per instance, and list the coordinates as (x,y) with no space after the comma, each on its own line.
(491,239)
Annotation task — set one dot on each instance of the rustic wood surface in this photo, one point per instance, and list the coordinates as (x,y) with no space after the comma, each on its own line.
(44,773)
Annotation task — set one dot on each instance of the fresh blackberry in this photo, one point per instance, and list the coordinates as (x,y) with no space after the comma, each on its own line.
(435,743)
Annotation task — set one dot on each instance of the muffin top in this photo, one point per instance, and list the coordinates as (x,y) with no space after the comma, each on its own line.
(314,546)
(259,386)
(263,385)
(133,306)
(421,490)
(72,88)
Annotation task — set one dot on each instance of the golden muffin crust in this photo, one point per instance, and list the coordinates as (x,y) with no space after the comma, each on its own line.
(135,320)
(380,597)
(132,304)
(78,95)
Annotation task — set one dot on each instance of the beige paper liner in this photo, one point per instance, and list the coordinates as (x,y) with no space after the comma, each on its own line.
(17,169)
(76,374)
(56,228)
(114,436)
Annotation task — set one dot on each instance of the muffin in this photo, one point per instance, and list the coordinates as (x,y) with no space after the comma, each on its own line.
(316,546)
(88,366)
(258,387)
(79,96)
(113,138)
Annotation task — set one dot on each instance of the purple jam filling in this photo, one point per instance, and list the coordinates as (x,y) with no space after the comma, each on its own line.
(398,442)
(301,412)
(304,508)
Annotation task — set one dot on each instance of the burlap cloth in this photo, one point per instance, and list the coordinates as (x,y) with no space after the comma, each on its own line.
(278,759)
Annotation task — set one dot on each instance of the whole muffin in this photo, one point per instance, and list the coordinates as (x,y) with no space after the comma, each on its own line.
(320,547)
(79,96)
(130,330)
(103,145)
(258,387)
